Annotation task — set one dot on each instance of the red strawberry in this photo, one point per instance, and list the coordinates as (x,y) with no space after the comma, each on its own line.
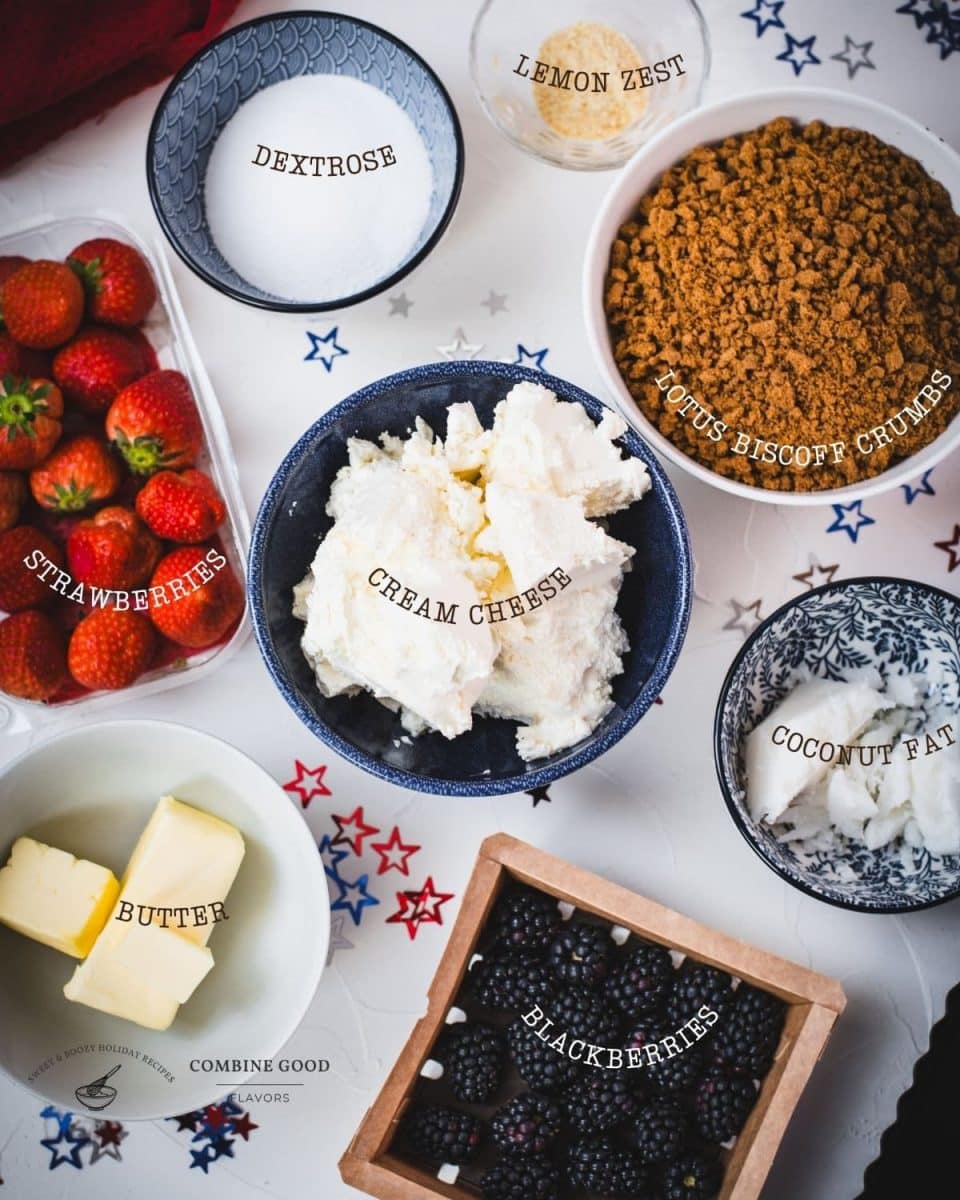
(10,360)
(154,423)
(118,282)
(42,304)
(9,263)
(195,596)
(30,412)
(96,366)
(33,661)
(13,492)
(181,508)
(23,554)
(111,648)
(80,472)
(112,550)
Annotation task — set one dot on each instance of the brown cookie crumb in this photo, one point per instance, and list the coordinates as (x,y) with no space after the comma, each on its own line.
(799,284)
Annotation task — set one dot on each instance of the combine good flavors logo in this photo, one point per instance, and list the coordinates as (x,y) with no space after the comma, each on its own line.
(490,613)
(318,165)
(926,743)
(614,1058)
(269,1091)
(684,404)
(139,600)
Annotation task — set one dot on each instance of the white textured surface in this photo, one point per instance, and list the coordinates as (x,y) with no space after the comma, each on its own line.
(649,814)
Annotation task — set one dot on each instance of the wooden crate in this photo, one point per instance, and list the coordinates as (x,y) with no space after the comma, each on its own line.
(814,1003)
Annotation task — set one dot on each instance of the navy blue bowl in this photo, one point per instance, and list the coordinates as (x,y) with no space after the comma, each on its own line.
(205,94)
(890,624)
(654,602)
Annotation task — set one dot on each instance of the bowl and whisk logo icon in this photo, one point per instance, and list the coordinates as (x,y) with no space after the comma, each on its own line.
(98,1094)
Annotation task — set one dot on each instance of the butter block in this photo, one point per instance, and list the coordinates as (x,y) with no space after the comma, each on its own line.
(52,897)
(175,965)
(184,859)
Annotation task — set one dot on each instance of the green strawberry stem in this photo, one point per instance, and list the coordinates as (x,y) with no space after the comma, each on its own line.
(20,404)
(70,498)
(88,273)
(144,454)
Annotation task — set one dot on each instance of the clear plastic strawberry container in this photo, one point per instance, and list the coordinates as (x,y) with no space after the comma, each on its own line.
(169,334)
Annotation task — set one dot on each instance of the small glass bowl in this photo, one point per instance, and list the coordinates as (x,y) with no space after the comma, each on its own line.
(646,65)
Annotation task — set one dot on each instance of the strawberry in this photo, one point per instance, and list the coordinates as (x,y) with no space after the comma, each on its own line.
(154,423)
(10,359)
(13,492)
(23,553)
(96,366)
(195,596)
(30,412)
(80,472)
(42,304)
(181,508)
(10,263)
(119,286)
(111,648)
(112,550)
(33,661)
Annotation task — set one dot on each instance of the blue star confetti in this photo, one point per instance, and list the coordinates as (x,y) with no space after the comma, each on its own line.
(201,1159)
(527,357)
(790,54)
(66,1137)
(354,907)
(331,856)
(842,520)
(219,1127)
(923,488)
(317,344)
(766,14)
(935,18)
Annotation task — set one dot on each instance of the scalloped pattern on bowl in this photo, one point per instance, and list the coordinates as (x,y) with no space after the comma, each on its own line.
(889,624)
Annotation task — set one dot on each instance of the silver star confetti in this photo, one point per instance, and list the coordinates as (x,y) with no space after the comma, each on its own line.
(854,55)
(746,617)
(460,348)
(400,305)
(338,941)
(496,302)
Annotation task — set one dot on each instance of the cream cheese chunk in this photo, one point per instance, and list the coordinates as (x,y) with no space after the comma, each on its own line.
(465,576)
(185,859)
(52,897)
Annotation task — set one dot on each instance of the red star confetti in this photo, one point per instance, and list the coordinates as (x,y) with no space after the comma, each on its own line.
(307,783)
(427,896)
(109,1133)
(243,1126)
(951,546)
(216,1116)
(394,853)
(355,822)
(407,913)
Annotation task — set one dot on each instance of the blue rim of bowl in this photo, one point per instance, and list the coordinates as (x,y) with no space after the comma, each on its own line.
(746,827)
(226,289)
(662,668)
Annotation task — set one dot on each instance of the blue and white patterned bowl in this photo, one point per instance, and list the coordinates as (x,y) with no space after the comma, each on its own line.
(206,93)
(654,602)
(888,624)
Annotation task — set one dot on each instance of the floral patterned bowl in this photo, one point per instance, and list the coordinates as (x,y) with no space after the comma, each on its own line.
(888,624)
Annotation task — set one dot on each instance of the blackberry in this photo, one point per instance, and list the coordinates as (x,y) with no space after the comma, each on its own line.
(473,1059)
(722,1104)
(527,1124)
(697,985)
(600,1101)
(666,1072)
(525,920)
(539,1066)
(748,1033)
(640,982)
(441,1134)
(692,1177)
(511,982)
(660,1131)
(580,954)
(521,1179)
(598,1165)
(584,1015)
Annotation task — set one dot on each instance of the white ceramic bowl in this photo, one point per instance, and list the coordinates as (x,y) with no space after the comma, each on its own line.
(712,124)
(90,791)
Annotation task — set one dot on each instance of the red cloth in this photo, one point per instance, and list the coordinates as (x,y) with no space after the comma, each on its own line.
(64,61)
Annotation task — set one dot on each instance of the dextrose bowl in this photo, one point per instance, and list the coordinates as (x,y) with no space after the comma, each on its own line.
(712,124)
(167,330)
(206,93)
(654,602)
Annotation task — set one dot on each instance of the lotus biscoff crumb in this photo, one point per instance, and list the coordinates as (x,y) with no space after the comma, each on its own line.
(783,307)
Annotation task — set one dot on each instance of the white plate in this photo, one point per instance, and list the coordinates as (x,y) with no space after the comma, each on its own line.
(712,124)
(90,791)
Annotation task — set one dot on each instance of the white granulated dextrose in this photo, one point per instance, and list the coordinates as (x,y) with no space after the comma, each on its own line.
(318,188)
